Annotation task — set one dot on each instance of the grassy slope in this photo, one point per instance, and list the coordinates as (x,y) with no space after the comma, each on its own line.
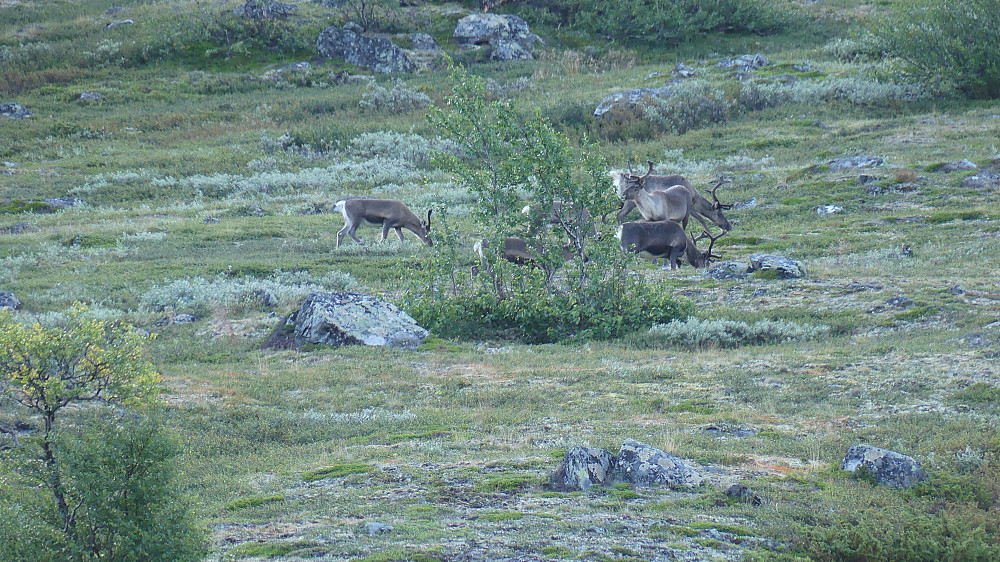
(458,437)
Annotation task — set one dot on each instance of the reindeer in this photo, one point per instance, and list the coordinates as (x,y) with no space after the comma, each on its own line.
(669,204)
(700,207)
(515,250)
(387,213)
(664,239)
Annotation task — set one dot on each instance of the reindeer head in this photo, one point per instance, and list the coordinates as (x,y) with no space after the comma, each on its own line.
(704,259)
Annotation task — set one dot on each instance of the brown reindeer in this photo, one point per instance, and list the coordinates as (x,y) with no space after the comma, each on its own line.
(664,239)
(699,207)
(387,213)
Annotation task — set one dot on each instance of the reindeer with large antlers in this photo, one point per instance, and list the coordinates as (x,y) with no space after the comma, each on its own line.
(387,213)
(699,207)
(667,240)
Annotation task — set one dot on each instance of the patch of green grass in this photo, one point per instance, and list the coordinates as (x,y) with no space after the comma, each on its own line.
(723,527)
(400,555)
(506,483)
(976,393)
(707,542)
(911,313)
(253,501)
(336,471)
(674,530)
(498,516)
(558,552)
(703,407)
(269,549)
(941,217)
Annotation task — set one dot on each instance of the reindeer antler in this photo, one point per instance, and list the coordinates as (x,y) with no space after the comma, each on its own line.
(708,253)
(650,170)
(718,204)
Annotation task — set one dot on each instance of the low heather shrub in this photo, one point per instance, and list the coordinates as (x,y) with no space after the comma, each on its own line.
(200,295)
(399,99)
(693,104)
(697,333)
(409,147)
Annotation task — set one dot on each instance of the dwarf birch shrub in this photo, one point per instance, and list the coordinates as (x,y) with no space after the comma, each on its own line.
(409,147)
(200,295)
(697,333)
(692,104)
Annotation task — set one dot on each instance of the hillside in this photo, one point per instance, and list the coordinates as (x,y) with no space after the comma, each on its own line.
(199,178)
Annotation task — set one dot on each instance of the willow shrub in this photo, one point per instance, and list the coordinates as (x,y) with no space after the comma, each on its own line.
(578,284)
(943,43)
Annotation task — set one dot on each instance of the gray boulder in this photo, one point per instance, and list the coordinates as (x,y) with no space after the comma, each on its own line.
(960,166)
(859,161)
(889,468)
(741,493)
(642,465)
(630,99)
(786,268)
(745,63)
(14,111)
(423,42)
(264,9)
(682,71)
(90,96)
(491,29)
(8,300)
(509,51)
(374,53)
(583,467)
(347,319)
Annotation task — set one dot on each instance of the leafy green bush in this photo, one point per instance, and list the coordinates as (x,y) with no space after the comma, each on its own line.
(943,43)
(697,333)
(669,21)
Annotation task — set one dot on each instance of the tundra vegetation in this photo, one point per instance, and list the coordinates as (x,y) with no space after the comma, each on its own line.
(209,183)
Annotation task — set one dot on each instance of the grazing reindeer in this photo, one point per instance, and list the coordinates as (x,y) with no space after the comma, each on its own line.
(700,207)
(515,250)
(664,239)
(387,213)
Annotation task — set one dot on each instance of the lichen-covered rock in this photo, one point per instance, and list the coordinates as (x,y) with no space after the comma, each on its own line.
(374,53)
(643,465)
(745,63)
(423,42)
(65,202)
(8,300)
(859,161)
(347,319)
(889,468)
(728,270)
(828,209)
(489,29)
(14,111)
(786,268)
(264,9)
(583,467)
(741,493)
(508,51)
(630,98)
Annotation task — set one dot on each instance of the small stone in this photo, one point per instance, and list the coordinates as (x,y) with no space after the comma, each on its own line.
(210,220)
(9,301)
(859,161)
(855,287)
(866,178)
(786,268)
(748,204)
(742,493)
(899,302)
(745,63)
(14,111)
(728,270)
(376,528)
(91,96)
(957,290)
(828,209)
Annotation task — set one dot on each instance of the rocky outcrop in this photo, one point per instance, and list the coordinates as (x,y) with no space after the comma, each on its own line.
(335,319)
(889,468)
(643,465)
(374,53)
(960,166)
(583,467)
(8,300)
(785,268)
(630,99)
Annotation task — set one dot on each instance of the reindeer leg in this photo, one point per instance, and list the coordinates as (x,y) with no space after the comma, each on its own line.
(399,232)
(385,231)
(355,236)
